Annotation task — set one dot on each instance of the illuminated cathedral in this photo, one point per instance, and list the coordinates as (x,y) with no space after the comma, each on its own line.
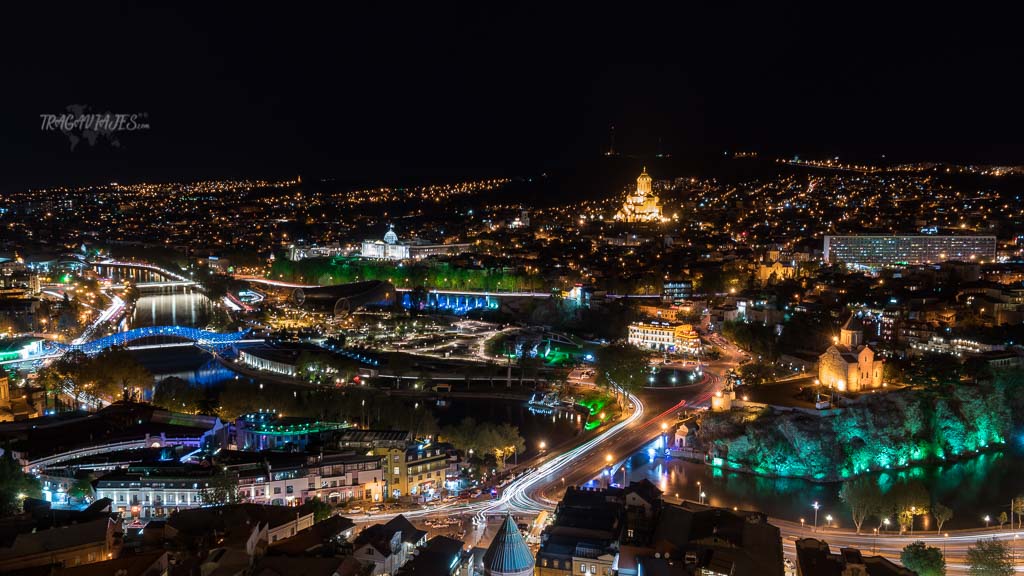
(643,205)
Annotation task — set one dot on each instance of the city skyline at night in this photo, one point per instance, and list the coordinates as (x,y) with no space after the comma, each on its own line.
(511,290)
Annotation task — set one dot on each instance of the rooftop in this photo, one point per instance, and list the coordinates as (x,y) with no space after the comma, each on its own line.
(508,554)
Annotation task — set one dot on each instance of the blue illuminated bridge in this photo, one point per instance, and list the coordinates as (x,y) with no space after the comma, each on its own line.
(200,337)
(455,302)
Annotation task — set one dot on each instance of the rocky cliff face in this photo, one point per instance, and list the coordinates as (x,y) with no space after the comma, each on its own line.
(880,431)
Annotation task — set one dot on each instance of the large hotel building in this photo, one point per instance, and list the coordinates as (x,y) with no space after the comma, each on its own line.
(909,250)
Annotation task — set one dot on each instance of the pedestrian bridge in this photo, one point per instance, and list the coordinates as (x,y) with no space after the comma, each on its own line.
(196,335)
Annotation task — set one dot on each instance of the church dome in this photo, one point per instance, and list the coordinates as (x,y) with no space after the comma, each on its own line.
(508,554)
(643,183)
(391,237)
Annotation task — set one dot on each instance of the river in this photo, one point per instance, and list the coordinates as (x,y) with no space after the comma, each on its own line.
(179,306)
(972,488)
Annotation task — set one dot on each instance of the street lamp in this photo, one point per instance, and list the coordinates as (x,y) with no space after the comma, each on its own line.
(698,488)
(543,445)
(702,496)
(886,522)
(874,543)
(828,519)
(945,539)
(801,523)
(987,520)
(815,506)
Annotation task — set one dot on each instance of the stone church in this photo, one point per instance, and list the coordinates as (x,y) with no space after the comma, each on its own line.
(849,364)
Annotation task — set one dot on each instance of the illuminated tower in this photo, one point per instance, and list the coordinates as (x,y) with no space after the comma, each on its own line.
(851,334)
(642,205)
(643,183)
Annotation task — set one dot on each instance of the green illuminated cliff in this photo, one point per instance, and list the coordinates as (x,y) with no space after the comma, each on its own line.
(878,432)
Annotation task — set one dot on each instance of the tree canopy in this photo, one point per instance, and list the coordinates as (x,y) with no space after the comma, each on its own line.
(15,485)
(499,440)
(925,560)
(623,365)
(989,558)
(179,396)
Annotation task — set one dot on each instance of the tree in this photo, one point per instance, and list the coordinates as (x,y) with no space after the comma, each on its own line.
(242,399)
(756,373)
(1003,519)
(178,395)
(321,510)
(501,441)
(1018,509)
(863,497)
(15,486)
(942,514)
(69,374)
(925,560)
(222,489)
(81,488)
(989,558)
(118,373)
(933,370)
(622,365)
(908,500)
(51,380)
(321,368)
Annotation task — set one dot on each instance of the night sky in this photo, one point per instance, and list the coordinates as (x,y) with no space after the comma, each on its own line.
(442,91)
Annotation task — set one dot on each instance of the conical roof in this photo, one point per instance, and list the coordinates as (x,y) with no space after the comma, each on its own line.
(853,324)
(508,554)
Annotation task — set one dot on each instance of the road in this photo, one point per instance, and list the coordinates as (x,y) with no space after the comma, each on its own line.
(539,489)
(955,545)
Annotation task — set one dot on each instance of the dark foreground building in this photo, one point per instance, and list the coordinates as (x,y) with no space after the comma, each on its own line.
(342,299)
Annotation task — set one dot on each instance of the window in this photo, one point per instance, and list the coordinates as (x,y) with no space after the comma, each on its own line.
(583,568)
(290,489)
(629,533)
(396,471)
(593,569)
(277,489)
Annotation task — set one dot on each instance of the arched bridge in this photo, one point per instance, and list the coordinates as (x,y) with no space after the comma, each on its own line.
(201,337)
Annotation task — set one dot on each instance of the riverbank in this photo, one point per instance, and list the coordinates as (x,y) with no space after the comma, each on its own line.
(972,487)
(896,430)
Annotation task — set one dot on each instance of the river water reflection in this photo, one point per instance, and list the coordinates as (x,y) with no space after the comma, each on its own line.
(973,488)
(172,307)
